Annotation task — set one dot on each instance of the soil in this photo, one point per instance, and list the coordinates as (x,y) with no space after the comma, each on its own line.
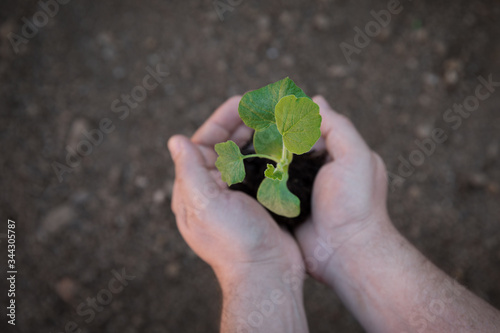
(302,171)
(111,211)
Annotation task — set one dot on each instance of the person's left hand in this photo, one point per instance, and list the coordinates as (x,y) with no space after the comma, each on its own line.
(228,229)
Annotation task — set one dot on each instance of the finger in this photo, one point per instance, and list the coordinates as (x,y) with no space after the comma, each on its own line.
(307,236)
(240,137)
(221,125)
(176,203)
(341,137)
(319,145)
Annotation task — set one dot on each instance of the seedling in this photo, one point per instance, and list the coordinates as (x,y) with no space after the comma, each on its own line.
(286,122)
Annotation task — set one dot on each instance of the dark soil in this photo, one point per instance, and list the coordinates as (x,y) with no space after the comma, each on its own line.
(302,171)
(112,211)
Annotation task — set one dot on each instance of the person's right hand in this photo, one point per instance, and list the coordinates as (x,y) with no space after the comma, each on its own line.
(349,195)
(350,244)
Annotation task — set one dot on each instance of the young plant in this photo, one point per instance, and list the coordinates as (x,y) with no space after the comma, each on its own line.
(286,122)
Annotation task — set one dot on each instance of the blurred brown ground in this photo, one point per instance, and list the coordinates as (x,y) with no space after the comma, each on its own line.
(113,211)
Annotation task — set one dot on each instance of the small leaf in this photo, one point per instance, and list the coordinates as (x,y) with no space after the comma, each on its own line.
(275,196)
(268,142)
(256,107)
(299,122)
(273,173)
(230,162)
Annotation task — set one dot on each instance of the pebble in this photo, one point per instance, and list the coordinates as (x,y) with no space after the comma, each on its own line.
(80,197)
(421,35)
(321,22)
(264,22)
(154,59)
(272,53)
(221,66)
(452,70)
(78,126)
(384,34)
(159,196)
(414,192)
(451,77)
(119,72)
(33,109)
(430,79)
(477,179)
(494,188)
(388,99)
(66,289)
(288,60)
(108,53)
(493,150)
(286,19)
(337,71)
(423,131)
(141,181)
(56,219)
(172,269)
(424,100)
(440,48)
(412,63)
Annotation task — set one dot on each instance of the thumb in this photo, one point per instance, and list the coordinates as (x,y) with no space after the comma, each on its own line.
(175,144)
(184,153)
(341,137)
(190,166)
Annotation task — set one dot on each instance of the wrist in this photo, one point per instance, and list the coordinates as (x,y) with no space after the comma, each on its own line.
(287,277)
(363,242)
(264,299)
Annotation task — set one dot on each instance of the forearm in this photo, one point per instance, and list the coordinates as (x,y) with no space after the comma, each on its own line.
(262,302)
(391,287)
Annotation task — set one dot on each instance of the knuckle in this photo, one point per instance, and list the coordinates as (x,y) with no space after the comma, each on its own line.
(234,99)
(379,167)
(344,120)
(379,162)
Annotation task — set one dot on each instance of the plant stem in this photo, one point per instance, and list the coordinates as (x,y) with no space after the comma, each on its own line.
(262,156)
(284,154)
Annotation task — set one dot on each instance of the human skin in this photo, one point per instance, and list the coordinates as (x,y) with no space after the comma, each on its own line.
(235,235)
(349,242)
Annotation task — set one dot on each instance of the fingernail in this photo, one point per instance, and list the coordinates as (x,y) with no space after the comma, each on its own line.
(321,101)
(174,146)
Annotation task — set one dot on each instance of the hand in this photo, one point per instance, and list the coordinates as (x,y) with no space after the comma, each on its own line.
(258,265)
(350,244)
(349,194)
(229,230)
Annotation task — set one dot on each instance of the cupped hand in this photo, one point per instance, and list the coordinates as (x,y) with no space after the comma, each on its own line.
(349,194)
(228,229)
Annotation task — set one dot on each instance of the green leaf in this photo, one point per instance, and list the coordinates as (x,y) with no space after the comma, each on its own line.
(268,142)
(275,196)
(256,107)
(230,162)
(273,173)
(299,122)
